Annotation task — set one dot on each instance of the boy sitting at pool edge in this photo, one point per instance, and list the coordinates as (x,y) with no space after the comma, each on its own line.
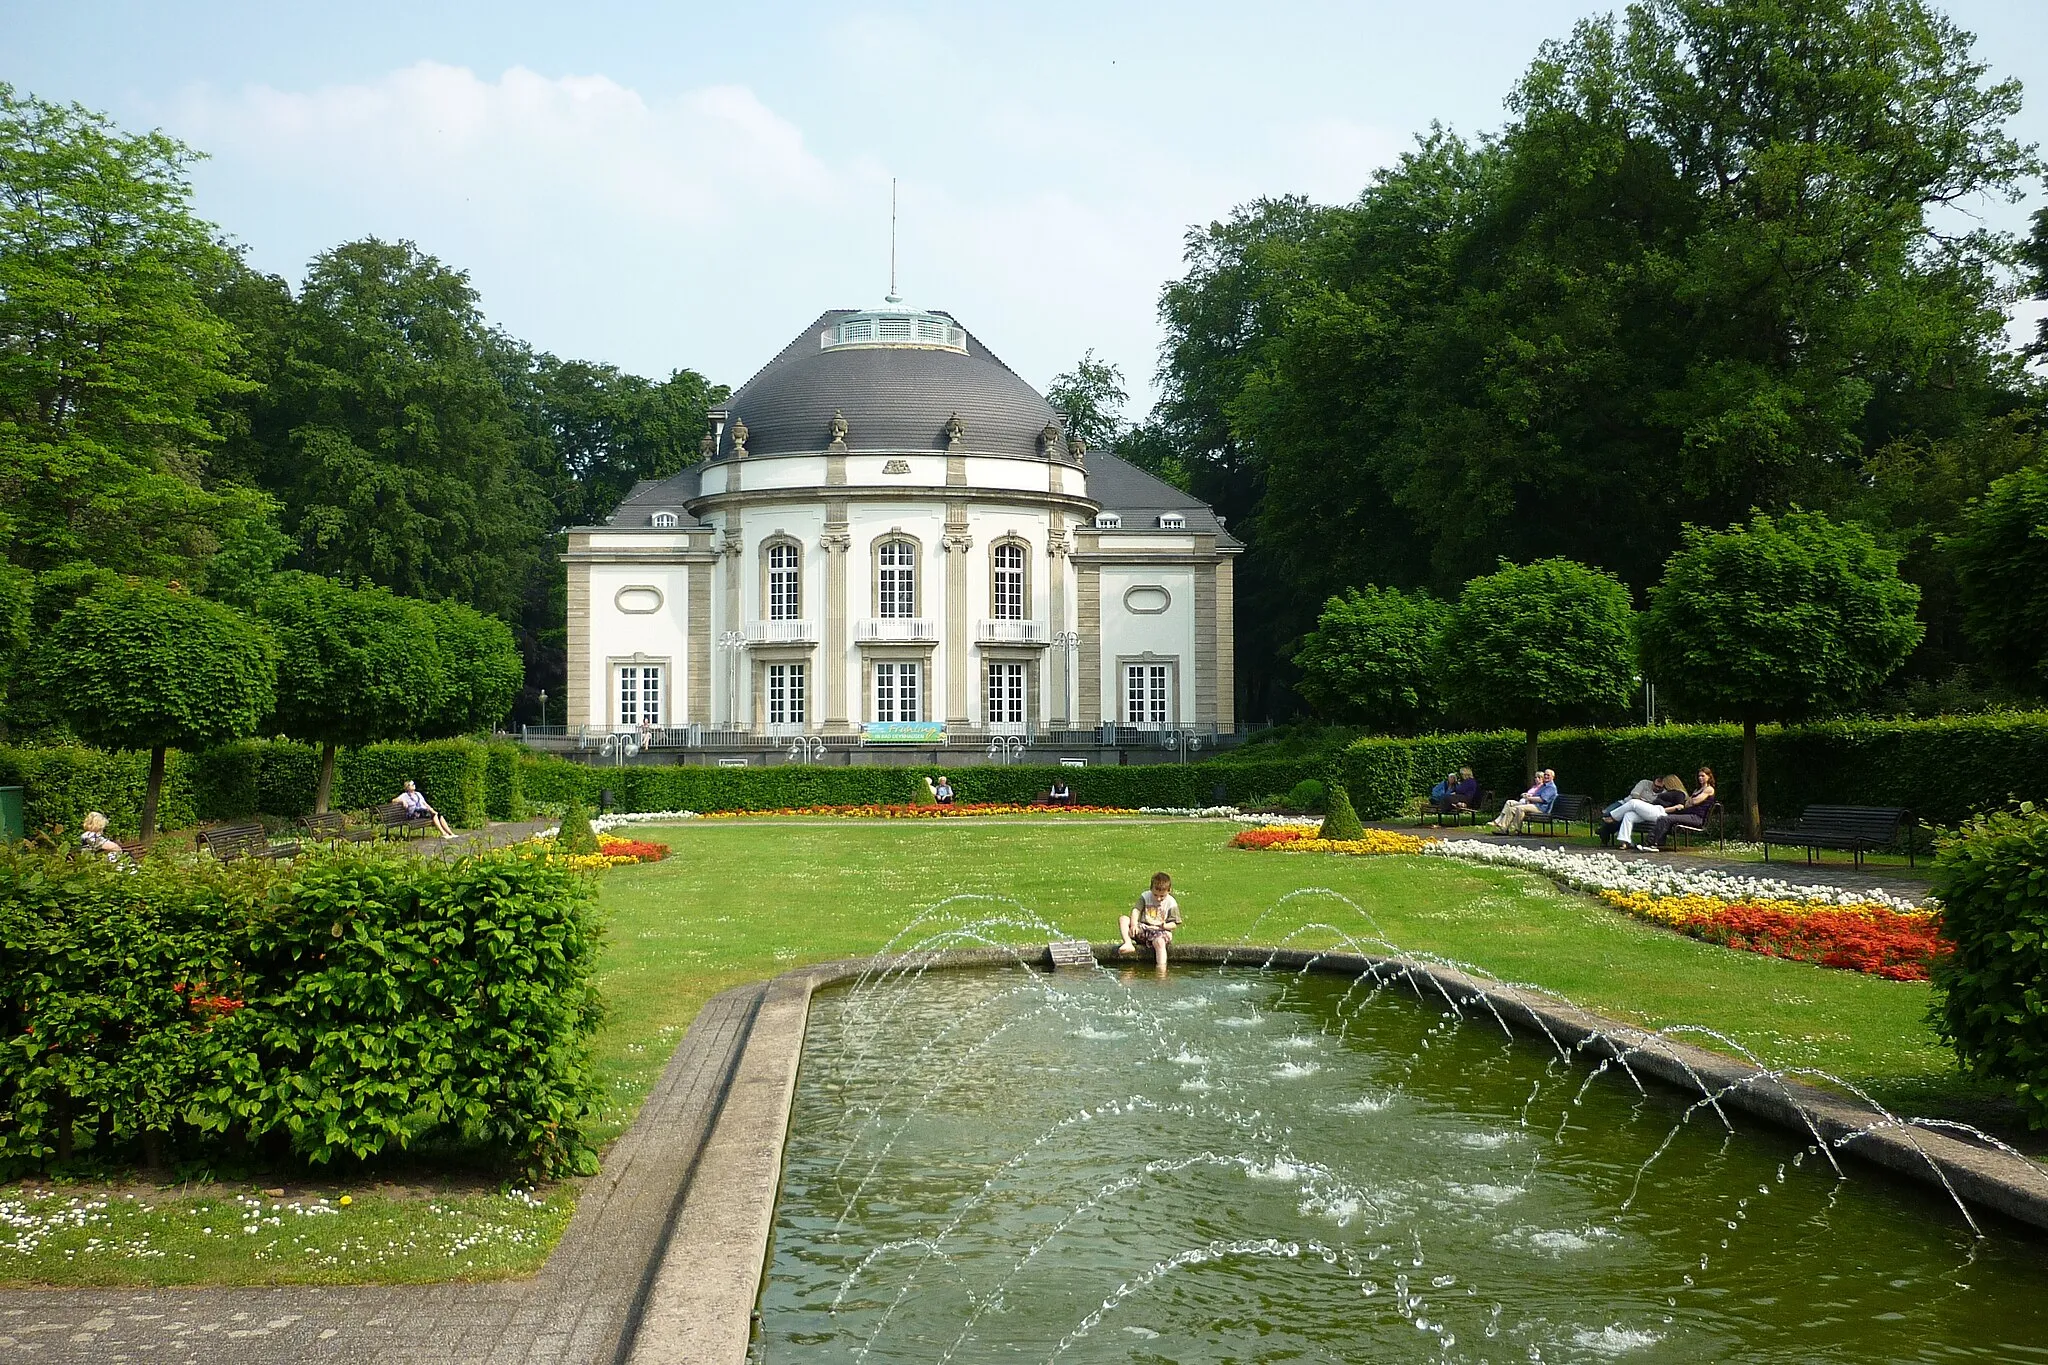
(1151,921)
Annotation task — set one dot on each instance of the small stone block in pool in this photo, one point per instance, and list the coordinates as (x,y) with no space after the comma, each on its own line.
(1071,952)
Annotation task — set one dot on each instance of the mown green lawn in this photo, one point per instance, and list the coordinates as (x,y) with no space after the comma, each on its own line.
(744,899)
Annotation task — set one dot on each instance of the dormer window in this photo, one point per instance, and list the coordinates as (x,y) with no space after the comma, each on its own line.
(1109,521)
(895,324)
(1172,521)
(664,521)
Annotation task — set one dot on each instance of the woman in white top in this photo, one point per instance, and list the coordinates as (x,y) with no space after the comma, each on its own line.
(93,840)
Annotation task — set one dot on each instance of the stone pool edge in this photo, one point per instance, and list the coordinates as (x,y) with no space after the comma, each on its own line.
(701,1301)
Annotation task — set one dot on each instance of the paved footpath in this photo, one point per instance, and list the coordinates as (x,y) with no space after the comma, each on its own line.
(581,1308)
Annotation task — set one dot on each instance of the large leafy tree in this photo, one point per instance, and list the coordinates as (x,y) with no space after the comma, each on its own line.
(481,670)
(1372,658)
(1780,619)
(141,665)
(2001,559)
(387,434)
(1542,644)
(355,665)
(1091,397)
(111,360)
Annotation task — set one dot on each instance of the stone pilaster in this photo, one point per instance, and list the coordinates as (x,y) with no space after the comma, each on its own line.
(731,546)
(1226,644)
(1205,640)
(956,544)
(697,634)
(1060,663)
(579,699)
(835,701)
(1088,621)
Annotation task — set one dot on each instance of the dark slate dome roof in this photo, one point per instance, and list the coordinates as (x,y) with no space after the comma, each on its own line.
(894,398)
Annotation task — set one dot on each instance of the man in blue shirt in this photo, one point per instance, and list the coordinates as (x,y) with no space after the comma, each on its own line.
(1537,800)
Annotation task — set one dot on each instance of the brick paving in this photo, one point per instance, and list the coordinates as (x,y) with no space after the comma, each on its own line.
(580,1308)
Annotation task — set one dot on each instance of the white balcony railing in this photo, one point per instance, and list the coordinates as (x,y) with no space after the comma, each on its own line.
(1011,632)
(782,632)
(907,629)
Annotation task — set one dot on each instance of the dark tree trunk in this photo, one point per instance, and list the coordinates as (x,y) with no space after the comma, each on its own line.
(1752,808)
(325,788)
(150,795)
(153,1151)
(1529,756)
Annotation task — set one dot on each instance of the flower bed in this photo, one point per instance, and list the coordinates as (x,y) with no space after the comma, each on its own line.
(1858,931)
(1872,938)
(630,850)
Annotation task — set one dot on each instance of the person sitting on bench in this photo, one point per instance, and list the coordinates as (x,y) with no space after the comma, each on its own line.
(1670,795)
(1061,794)
(93,841)
(1691,815)
(415,805)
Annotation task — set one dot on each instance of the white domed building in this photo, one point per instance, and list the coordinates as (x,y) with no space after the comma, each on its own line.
(892,542)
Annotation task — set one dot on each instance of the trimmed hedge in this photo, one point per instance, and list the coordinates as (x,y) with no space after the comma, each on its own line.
(63,783)
(1944,770)
(355,1003)
(1989,1003)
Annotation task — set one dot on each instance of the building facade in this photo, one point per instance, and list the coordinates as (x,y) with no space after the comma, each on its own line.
(891,538)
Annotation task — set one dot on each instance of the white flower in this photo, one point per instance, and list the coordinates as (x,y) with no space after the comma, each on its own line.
(641,817)
(1605,872)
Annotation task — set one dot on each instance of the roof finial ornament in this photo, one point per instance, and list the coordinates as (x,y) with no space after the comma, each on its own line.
(838,430)
(739,436)
(956,432)
(708,447)
(1049,440)
(892,296)
(1078,448)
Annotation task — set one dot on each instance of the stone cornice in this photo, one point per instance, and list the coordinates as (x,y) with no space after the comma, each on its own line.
(751,497)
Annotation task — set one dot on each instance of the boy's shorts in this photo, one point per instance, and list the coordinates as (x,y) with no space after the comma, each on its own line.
(1145,935)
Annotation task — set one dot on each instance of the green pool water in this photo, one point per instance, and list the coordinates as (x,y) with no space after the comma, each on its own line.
(1236,1165)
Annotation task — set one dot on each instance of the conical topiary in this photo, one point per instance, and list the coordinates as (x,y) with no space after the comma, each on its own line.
(576,835)
(1339,820)
(921,793)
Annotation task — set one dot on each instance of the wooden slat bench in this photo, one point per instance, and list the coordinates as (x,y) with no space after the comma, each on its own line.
(1483,803)
(230,842)
(395,823)
(333,827)
(1855,829)
(1564,811)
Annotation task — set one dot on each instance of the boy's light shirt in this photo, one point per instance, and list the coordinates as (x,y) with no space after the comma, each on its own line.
(1155,913)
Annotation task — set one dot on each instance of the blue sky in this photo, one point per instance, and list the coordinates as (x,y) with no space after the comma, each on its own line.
(687,185)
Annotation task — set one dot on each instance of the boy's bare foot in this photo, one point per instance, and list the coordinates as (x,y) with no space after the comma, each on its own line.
(1127,949)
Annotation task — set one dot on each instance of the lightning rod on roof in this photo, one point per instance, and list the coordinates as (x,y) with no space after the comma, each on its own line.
(893,297)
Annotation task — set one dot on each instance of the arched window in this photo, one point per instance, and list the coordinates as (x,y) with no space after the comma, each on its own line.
(664,520)
(1009,584)
(896,581)
(785,583)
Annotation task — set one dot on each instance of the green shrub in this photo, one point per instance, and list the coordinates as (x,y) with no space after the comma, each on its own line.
(1306,794)
(575,834)
(1341,822)
(1989,1003)
(64,782)
(356,1003)
(504,795)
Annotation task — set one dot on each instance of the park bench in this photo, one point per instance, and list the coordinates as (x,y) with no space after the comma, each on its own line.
(333,827)
(1856,829)
(228,843)
(1481,803)
(1713,818)
(396,822)
(1563,811)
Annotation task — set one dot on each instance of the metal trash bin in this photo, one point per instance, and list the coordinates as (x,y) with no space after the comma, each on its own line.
(12,825)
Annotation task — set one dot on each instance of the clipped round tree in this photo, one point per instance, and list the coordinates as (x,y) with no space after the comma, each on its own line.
(355,665)
(481,670)
(2001,562)
(1777,620)
(1538,645)
(1370,658)
(149,666)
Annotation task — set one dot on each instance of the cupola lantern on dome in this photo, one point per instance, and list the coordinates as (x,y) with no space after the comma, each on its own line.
(895,323)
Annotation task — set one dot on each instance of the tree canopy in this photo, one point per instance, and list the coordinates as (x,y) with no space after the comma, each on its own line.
(1091,398)
(1372,659)
(144,666)
(1779,619)
(2001,558)
(1542,644)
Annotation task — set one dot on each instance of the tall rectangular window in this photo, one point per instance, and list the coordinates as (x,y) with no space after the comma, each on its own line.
(1145,694)
(896,591)
(785,694)
(785,593)
(640,694)
(1005,694)
(897,686)
(1009,583)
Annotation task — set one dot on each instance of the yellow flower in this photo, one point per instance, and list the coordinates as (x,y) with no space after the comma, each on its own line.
(346,1201)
